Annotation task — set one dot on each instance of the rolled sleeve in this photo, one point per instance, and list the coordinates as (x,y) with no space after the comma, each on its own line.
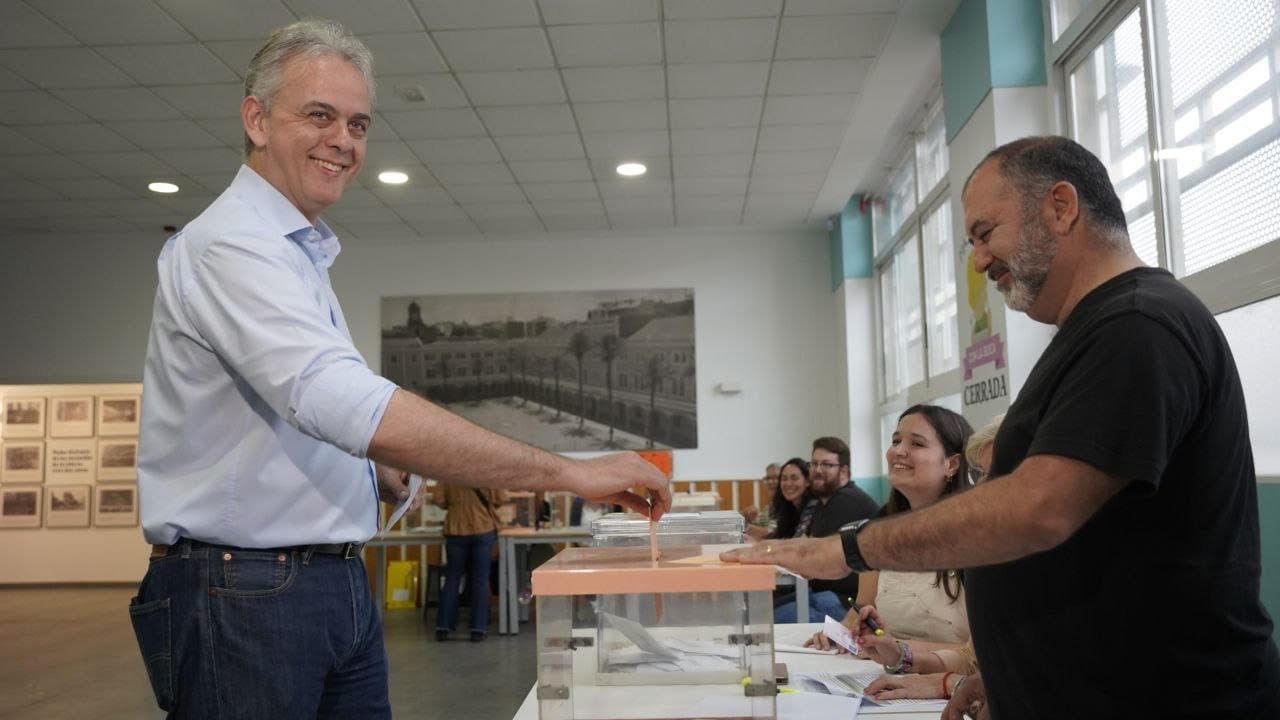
(343,404)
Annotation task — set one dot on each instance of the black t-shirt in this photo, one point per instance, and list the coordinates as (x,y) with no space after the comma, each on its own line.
(848,504)
(1151,610)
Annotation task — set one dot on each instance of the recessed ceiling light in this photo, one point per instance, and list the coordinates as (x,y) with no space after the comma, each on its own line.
(393,177)
(632,169)
(163,187)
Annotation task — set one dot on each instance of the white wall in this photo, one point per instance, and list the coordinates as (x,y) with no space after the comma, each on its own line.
(764,318)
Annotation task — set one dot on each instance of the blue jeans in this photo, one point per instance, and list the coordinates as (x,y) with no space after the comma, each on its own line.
(470,554)
(821,604)
(230,633)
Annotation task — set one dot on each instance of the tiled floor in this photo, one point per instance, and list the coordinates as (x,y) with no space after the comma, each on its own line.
(69,652)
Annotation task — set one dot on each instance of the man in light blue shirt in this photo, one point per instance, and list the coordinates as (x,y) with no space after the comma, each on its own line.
(261,424)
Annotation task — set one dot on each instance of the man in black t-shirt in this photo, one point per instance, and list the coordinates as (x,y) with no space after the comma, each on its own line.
(1115,555)
(839,502)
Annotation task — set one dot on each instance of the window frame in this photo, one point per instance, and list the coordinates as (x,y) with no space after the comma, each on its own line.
(1248,277)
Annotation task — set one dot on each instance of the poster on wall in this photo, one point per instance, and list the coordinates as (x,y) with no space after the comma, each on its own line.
(70,462)
(984,352)
(23,461)
(67,506)
(116,506)
(118,415)
(565,371)
(71,417)
(20,507)
(23,417)
(117,459)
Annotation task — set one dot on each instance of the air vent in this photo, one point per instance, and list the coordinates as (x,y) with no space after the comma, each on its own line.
(411,93)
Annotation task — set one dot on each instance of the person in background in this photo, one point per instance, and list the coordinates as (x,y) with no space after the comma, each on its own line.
(471,527)
(926,461)
(762,522)
(266,441)
(839,502)
(794,504)
(1121,517)
(938,674)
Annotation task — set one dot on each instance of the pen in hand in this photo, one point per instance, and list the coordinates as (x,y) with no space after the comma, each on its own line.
(870,622)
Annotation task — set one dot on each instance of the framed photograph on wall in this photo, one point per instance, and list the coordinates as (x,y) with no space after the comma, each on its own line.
(67,506)
(71,416)
(118,415)
(70,462)
(23,461)
(117,459)
(20,507)
(23,417)
(115,506)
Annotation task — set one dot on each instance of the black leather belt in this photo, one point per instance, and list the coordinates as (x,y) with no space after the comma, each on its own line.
(346,550)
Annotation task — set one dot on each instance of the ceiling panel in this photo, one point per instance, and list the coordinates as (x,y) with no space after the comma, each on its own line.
(427,124)
(64,67)
(529,120)
(228,19)
(502,192)
(635,145)
(717,79)
(534,171)
(629,115)
(453,174)
(80,137)
(807,109)
(187,64)
(694,41)
(565,146)
(219,100)
(715,112)
(521,87)
(696,186)
(642,82)
(13,142)
(713,140)
(113,22)
(495,49)
(840,36)
(800,137)
(167,134)
(840,7)
(607,45)
(404,53)
(364,17)
(817,77)
(582,12)
(456,150)
(451,14)
(440,90)
(20,26)
(561,191)
(691,166)
(702,9)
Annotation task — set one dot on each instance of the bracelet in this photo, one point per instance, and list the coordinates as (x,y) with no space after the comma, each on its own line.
(946,676)
(904,662)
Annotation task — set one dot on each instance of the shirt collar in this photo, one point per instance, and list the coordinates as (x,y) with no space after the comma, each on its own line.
(319,241)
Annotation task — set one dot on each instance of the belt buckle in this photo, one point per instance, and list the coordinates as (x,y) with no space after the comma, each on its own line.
(351,550)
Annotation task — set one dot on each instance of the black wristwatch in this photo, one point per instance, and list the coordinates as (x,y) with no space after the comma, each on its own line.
(849,539)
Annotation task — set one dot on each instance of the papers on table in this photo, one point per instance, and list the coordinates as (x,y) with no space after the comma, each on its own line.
(839,634)
(852,684)
(806,706)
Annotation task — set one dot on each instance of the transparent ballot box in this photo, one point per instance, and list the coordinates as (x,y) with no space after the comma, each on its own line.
(712,527)
(622,637)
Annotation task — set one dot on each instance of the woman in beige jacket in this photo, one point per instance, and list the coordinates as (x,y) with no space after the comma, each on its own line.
(470,530)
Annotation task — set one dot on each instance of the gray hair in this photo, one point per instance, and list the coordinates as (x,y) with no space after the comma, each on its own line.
(305,37)
(982,438)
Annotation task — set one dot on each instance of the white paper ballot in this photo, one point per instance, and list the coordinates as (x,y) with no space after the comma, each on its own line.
(415,482)
(839,634)
(804,705)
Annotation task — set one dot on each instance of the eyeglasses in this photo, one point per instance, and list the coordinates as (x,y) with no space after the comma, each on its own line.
(824,465)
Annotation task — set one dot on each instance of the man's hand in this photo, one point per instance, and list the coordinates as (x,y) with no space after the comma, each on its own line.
(615,479)
(393,486)
(969,700)
(821,558)
(897,687)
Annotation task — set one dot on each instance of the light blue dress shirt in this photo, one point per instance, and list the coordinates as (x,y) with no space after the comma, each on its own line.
(257,410)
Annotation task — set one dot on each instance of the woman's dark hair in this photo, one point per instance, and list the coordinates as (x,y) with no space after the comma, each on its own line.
(787,514)
(953,432)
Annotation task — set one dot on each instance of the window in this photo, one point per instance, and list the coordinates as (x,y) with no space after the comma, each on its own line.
(1063,13)
(940,289)
(1180,99)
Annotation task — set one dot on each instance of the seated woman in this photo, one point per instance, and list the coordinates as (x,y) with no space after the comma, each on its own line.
(926,463)
(937,674)
(793,504)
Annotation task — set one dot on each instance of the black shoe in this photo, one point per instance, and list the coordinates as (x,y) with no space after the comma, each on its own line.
(477,636)
(442,635)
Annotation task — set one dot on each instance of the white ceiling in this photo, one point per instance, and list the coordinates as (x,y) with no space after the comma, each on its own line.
(747,112)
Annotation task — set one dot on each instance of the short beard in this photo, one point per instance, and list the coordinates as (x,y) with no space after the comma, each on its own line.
(1029,265)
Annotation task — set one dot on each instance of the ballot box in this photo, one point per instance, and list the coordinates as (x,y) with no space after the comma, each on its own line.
(711,527)
(621,636)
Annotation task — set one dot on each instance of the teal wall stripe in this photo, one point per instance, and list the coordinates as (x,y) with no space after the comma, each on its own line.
(877,486)
(1017,57)
(966,64)
(850,240)
(1269,518)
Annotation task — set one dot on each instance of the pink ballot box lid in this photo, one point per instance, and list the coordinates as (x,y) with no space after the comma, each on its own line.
(618,570)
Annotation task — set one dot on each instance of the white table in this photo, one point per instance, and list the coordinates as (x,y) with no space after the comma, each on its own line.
(791,634)
(508,570)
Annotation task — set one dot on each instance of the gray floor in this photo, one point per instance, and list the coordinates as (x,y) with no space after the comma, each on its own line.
(68,652)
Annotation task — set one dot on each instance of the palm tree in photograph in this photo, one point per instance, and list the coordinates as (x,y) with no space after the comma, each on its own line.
(656,370)
(511,354)
(557,369)
(609,349)
(539,372)
(579,346)
(477,368)
(522,362)
(443,367)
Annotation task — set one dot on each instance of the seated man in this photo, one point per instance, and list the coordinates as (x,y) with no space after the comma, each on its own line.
(839,502)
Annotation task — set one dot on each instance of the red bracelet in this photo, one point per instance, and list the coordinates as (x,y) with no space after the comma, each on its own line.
(946,695)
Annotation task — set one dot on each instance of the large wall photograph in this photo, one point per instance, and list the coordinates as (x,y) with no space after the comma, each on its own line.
(565,371)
